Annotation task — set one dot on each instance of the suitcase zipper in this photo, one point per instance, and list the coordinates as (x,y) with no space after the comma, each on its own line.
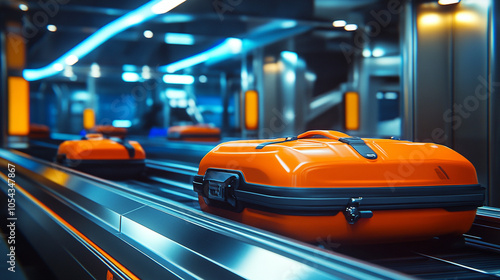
(229,190)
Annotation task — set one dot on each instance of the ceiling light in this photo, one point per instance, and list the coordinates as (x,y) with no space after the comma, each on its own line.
(351,27)
(466,17)
(148,34)
(429,19)
(23,7)
(130,77)
(58,67)
(165,6)
(448,2)
(339,23)
(68,72)
(129,68)
(288,24)
(378,52)
(178,79)
(95,70)
(179,39)
(122,123)
(172,93)
(224,49)
(139,15)
(203,79)
(146,72)
(261,36)
(367,53)
(51,28)
(71,59)
(290,56)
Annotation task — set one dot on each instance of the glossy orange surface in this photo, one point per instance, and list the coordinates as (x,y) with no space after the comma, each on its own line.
(88,119)
(18,106)
(98,148)
(326,162)
(385,226)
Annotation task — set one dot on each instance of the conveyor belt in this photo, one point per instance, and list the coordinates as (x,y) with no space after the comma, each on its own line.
(99,227)
(436,259)
(478,258)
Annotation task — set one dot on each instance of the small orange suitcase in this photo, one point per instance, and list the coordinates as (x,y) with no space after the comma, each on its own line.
(198,132)
(328,185)
(110,131)
(39,131)
(103,157)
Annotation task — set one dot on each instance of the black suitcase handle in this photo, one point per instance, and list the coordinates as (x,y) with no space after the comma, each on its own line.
(356,143)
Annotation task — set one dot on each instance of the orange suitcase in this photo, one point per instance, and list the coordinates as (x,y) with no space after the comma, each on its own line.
(327,185)
(110,131)
(39,131)
(199,132)
(103,157)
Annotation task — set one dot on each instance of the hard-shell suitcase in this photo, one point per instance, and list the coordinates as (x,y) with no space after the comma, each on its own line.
(103,157)
(199,132)
(328,185)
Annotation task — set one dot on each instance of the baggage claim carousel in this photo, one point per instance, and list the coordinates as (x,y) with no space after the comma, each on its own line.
(71,225)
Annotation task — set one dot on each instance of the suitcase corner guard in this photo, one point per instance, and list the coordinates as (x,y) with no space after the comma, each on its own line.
(218,188)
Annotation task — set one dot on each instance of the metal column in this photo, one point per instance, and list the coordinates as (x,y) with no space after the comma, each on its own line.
(448,81)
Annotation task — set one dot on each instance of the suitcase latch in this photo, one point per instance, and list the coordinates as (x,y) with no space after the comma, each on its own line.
(222,190)
(353,214)
(217,186)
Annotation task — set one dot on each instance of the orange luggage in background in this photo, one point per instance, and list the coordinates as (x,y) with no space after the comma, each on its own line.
(103,157)
(199,132)
(110,131)
(326,185)
(39,131)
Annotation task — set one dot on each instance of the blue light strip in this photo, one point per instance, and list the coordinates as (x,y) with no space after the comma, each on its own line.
(225,49)
(137,16)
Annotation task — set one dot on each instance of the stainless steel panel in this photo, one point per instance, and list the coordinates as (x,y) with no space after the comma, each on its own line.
(452,77)
(494,106)
(286,96)
(469,121)
(408,56)
(433,88)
